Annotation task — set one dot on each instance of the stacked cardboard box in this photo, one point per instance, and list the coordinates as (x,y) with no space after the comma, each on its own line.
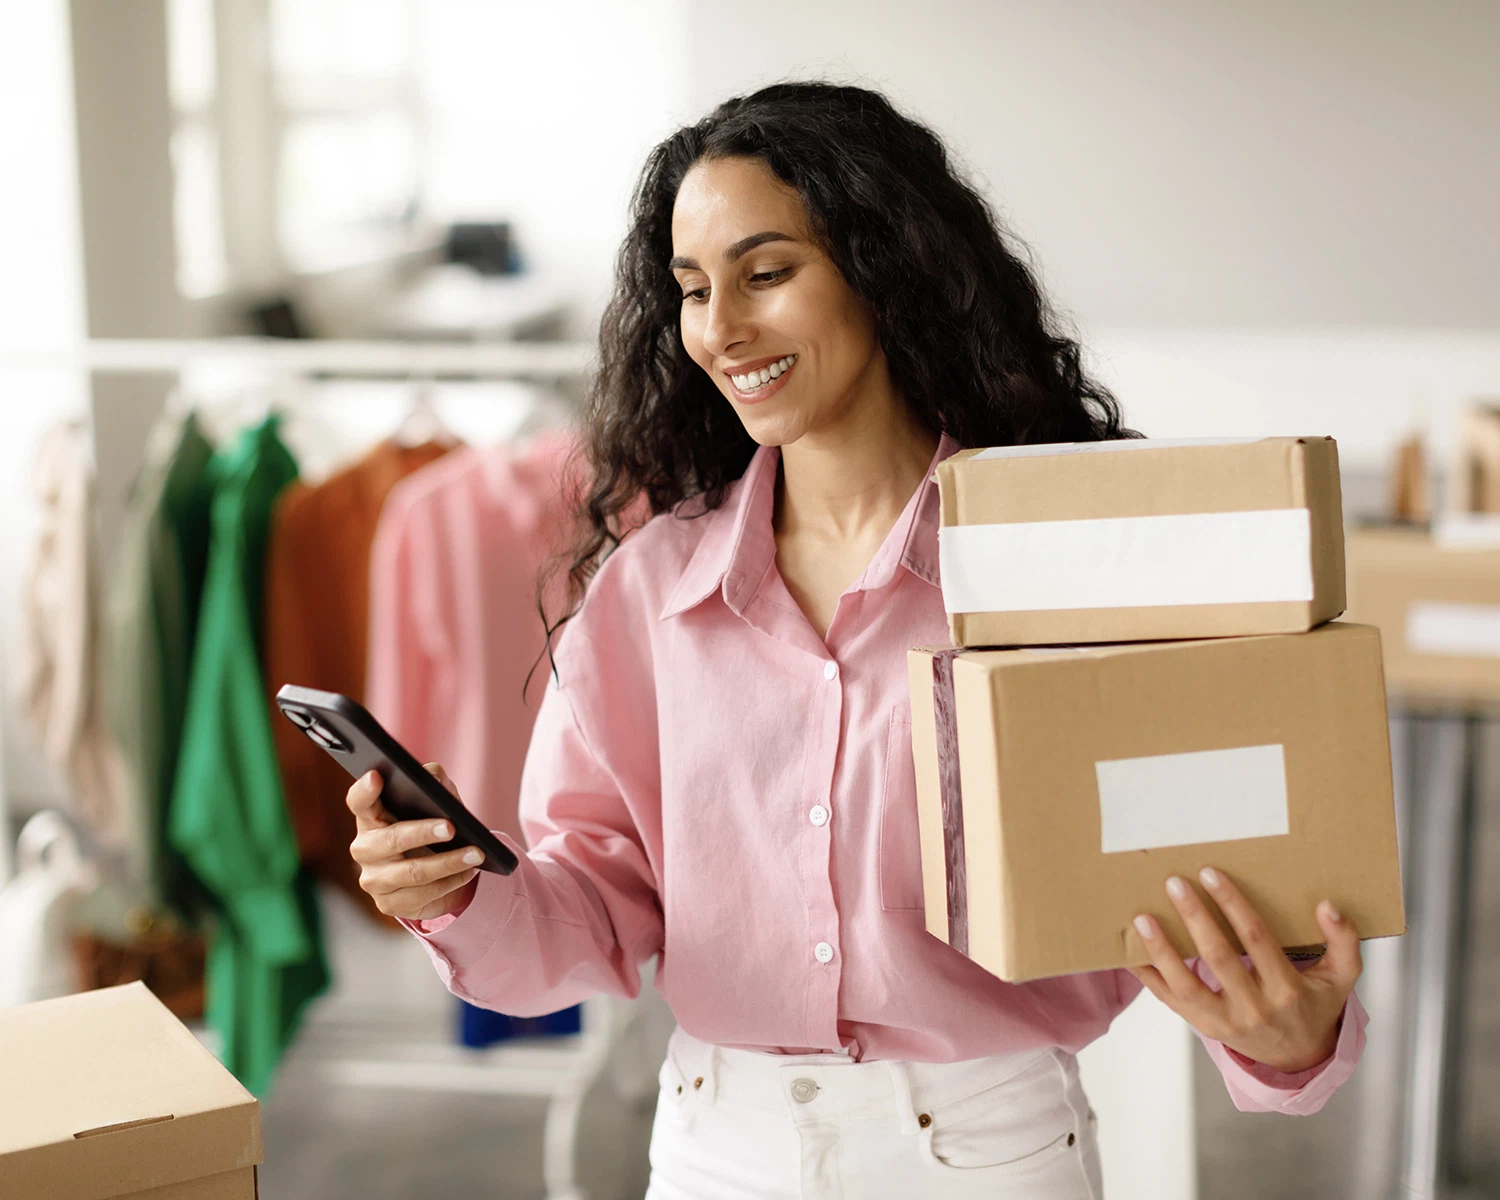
(1160,693)
(1434,590)
(107,1094)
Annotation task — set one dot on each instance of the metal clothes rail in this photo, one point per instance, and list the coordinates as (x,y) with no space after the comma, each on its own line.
(492,360)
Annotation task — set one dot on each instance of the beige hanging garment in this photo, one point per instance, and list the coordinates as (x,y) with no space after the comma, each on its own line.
(59,668)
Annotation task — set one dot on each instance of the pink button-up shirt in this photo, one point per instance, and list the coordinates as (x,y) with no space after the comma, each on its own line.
(711,781)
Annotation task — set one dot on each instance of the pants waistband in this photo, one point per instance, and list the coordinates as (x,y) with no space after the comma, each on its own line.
(835,1087)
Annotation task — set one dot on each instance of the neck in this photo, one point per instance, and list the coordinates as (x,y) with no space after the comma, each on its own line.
(858,478)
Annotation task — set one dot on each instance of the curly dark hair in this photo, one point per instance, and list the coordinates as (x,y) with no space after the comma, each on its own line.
(972,345)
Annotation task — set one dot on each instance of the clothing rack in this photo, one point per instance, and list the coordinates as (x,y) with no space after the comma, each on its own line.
(374,1045)
(538,361)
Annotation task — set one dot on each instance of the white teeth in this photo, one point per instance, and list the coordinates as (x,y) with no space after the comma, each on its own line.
(752,380)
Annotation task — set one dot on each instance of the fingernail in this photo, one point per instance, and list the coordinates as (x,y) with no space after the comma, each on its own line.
(1333,913)
(1143,926)
(1176,888)
(1210,877)
(441,830)
(473,856)
(372,777)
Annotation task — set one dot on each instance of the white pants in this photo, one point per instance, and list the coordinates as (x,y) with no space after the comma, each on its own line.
(737,1125)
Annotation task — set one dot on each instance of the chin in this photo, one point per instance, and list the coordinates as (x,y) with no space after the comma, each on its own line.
(772,430)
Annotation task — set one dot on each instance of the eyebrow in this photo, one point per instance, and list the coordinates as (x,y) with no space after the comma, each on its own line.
(735,252)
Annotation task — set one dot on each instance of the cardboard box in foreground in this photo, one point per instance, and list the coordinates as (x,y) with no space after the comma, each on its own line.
(1087,776)
(1139,540)
(1436,602)
(107,1094)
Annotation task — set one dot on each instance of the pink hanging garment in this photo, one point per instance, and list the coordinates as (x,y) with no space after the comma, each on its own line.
(453,622)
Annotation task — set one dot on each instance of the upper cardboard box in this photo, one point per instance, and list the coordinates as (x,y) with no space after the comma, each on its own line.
(1141,540)
(1436,600)
(107,1094)
(1058,789)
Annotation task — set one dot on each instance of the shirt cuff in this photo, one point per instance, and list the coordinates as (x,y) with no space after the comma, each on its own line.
(1255,1087)
(459,940)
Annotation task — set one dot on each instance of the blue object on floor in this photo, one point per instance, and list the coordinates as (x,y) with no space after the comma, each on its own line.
(479,1027)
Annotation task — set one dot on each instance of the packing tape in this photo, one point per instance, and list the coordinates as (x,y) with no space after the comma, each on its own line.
(1127,562)
(950,788)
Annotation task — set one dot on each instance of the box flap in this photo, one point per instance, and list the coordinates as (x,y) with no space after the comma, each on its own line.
(1156,478)
(106,1093)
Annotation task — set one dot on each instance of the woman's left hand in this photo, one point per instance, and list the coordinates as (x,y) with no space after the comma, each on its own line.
(1273,1013)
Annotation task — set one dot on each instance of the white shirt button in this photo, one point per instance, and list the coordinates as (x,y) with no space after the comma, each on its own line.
(818,815)
(823,952)
(803,1090)
(830,670)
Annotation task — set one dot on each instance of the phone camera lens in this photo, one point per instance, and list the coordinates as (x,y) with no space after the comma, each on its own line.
(298,718)
(326,738)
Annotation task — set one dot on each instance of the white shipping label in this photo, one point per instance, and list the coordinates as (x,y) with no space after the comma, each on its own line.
(1436,627)
(1467,531)
(1049,449)
(1124,562)
(1184,799)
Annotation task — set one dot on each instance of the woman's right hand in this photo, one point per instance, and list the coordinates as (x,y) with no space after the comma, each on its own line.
(400,873)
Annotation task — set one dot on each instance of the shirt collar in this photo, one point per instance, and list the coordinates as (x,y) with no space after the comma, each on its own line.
(739,546)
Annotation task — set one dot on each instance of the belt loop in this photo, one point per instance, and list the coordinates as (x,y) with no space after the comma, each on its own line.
(713,1064)
(906,1111)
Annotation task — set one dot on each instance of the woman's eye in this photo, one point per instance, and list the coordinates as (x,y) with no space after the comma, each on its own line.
(697,295)
(770,276)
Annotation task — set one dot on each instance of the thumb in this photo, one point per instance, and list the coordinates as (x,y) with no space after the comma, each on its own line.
(437,772)
(1341,963)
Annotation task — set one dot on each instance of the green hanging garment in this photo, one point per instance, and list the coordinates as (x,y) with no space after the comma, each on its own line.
(228,818)
(151,611)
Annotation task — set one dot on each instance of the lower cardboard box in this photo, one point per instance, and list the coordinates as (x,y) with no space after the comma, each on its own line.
(1058,789)
(1436,602)
(106,1094)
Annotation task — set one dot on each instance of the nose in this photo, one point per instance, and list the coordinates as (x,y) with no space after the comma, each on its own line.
(727,323)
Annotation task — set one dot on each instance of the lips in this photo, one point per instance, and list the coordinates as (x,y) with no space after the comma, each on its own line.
(757,380)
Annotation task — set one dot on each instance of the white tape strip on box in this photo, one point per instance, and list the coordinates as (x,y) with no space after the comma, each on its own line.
(1469,630)
(1184,799)
(1125,562)
(1467,531)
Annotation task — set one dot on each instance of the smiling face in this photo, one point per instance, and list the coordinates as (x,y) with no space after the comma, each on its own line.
(765,312)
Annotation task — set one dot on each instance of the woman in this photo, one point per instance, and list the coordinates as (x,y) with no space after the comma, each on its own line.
(812,311)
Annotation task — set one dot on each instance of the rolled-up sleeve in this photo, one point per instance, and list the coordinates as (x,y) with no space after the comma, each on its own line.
(1255,1087)
(582,911)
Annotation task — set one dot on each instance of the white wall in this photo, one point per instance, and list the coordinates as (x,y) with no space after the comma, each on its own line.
(1261,218)
(543,114)
(1364,387)
(1276,164)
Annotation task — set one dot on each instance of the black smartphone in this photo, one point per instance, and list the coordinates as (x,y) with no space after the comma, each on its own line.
(411,793)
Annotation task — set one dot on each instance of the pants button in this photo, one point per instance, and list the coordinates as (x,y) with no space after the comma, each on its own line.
(803,1090)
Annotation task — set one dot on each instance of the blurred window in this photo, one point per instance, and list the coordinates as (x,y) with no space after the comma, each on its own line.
(197,208)
(349,119)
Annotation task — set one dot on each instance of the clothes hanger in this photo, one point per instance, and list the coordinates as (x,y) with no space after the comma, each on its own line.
(550,412)
(422,423)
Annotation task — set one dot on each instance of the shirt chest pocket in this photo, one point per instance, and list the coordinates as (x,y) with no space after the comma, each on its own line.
(900,847)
